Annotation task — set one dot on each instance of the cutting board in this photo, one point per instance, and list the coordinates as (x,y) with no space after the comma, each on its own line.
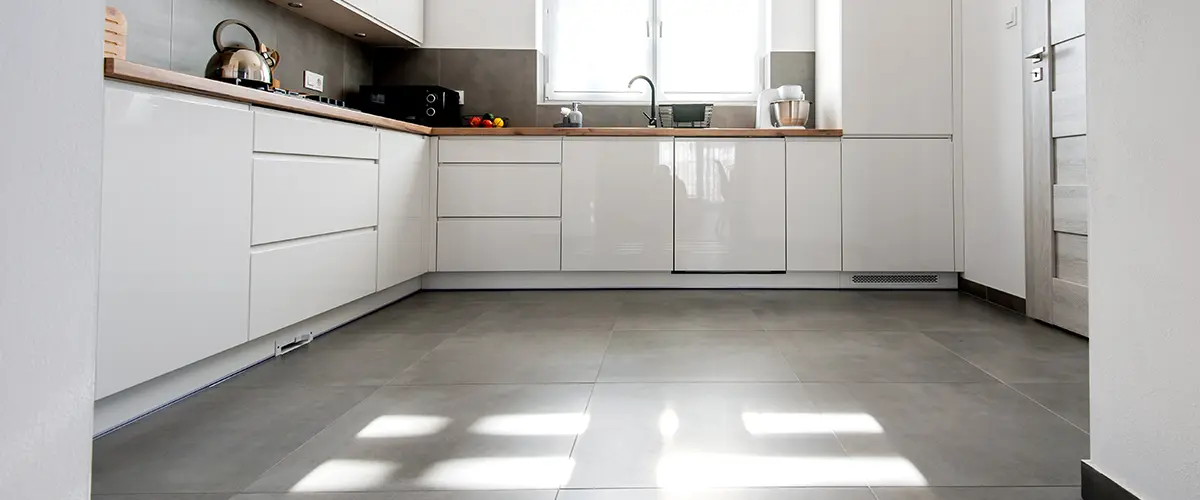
(116,32)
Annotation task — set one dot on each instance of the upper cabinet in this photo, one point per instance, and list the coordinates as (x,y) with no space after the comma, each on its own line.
(390,23)
(886,68)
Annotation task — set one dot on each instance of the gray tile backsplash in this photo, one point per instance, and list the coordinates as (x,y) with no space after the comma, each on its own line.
(505,82)
(177,35)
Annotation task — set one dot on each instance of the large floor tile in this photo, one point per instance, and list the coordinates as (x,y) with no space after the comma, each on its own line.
(582,316)
(686,314)
(721,494)
(505,358)
(1069,401)
(406,495)
(950,311)
(860,317)
(836,356)
(1068,493)
(217,441)
(983,434)
(693,356)
(479,437)
(421,316)
(702,435)
(169,496)
(335,359)
(1021,354)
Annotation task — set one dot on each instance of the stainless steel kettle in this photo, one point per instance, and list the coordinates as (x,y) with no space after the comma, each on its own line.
(236,63)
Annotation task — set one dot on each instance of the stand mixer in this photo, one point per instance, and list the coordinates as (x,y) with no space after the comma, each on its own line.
(784,107)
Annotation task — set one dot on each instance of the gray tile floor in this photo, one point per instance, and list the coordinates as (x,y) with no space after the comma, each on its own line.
(635,395)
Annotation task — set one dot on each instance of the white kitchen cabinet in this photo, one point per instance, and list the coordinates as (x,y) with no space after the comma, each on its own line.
(486,245)
(403,207)
(898,205)
(405,16)
(300,196)
(730,205)
(296,280)
(617,204)
(814,205)
(897,67)
(296,134)
(500,150)
(175,233)
(499,190)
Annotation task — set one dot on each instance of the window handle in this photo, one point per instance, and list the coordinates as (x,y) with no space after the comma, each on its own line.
(660,29)
(647,29)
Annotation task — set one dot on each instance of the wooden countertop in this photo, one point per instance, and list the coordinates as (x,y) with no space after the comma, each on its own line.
(118,69)
(131,72)
(635,132)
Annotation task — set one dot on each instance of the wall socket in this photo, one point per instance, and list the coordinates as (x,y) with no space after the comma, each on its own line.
(314,81)
(462,96)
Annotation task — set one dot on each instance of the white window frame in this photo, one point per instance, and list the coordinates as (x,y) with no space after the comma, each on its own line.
(639,95)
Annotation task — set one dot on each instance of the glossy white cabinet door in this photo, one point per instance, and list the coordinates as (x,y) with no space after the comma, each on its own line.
(175,233)
(405,16)
(730,208)
(814,205)
(296,280)
(487,245)
(403,207)
(897,67)
(617,204)
(898,205)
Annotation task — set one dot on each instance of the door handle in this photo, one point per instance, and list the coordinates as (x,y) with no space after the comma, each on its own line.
(1037,54)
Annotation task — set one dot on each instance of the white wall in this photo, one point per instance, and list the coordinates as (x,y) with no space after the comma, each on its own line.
(993,147)
(793,25)
(49,239)
(1142,161)
(481,24)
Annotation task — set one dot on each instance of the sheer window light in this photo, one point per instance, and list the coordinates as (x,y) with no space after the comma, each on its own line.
(694,50)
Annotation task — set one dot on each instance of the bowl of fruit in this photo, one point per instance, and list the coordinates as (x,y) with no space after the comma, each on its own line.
(486,120)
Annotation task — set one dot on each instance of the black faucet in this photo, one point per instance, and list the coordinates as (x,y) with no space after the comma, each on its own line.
(653,100)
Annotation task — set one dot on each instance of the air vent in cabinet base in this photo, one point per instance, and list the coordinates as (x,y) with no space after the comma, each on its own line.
(899,280)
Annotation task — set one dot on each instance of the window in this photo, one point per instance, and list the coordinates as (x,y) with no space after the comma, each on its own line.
(694,50)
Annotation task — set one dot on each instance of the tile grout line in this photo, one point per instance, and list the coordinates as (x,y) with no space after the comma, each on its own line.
(1006,384)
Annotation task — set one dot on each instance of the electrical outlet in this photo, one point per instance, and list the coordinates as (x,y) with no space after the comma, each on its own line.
(314,81)
(462,97)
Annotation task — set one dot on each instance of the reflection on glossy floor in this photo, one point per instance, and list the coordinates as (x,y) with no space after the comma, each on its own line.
(636,395)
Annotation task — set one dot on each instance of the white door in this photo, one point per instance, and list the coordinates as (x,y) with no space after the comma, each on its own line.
(897,67)
(1056,163)
(403,207)
(617,204)
(175,233)
(730,208)
(814,204)
(898,205)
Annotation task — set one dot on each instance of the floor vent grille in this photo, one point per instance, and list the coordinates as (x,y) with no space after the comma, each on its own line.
(894,279)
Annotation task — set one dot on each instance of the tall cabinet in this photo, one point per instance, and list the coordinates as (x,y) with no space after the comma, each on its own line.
(890,66)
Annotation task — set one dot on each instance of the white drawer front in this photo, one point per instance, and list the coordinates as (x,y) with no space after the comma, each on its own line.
(295,281)
(295,197)
(506,150)
(499,245)
(290,133)
(499,190)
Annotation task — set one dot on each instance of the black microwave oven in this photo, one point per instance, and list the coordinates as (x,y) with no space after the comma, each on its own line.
(429,105)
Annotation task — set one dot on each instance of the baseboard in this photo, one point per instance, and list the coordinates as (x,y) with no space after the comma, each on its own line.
(634,280)
(988,294)
(129,405)
(1097,486)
